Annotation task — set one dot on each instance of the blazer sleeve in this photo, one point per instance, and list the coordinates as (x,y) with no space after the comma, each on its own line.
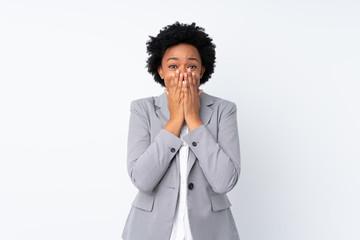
(219,160)
(147,161)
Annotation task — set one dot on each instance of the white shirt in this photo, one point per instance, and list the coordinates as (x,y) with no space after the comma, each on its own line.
(181,226)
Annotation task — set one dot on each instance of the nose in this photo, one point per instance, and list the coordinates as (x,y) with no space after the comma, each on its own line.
(182,69)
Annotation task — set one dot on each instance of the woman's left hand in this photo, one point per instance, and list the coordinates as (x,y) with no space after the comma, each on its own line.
(192,99)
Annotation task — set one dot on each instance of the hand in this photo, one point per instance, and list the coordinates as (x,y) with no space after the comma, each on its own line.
(192,100)
(175,97)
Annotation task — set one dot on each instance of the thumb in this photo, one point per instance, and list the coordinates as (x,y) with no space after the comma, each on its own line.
(200,91)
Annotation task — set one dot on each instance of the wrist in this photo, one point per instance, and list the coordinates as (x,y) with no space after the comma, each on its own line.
(193,123)
(192,118)
(176,120)
(174,126)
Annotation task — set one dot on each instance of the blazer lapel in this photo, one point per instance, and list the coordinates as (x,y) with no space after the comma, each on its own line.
(161,109)
(205,113)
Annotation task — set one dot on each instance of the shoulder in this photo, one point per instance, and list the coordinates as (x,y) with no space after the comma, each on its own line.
(145,106)
(221,104)
(142,102)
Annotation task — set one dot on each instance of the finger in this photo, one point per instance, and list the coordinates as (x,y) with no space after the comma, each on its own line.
(186,78)
(196,79)
(198,82)
(177,75)
(179,84)
(174,82)
(193,85)
(172,79)
(185,82)
(189,76)
(190,82)
(181,79)
(185,91)
(167,92)
(200,91)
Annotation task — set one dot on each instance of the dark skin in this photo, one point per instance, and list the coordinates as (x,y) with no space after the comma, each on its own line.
(181,69)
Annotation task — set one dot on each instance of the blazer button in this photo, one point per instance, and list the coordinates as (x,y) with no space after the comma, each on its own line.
(172,149)
(194,144)
(191,186)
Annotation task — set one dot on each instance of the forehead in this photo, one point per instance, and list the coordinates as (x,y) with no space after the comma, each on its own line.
(181,50)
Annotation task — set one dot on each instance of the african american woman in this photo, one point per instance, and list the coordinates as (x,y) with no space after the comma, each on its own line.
(183,152)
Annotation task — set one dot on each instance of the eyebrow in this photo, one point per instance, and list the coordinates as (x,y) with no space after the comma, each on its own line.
(174,58)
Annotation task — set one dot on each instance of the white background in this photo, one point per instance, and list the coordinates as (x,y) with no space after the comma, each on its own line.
(69,70)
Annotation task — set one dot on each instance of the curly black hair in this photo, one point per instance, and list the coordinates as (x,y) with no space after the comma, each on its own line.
(181,33)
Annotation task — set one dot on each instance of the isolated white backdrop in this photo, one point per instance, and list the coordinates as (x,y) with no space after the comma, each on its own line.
(69,70)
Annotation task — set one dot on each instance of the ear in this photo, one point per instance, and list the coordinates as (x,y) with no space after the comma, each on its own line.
(160,71)
(202,71)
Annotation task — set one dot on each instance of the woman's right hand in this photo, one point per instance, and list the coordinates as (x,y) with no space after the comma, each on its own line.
(175,103)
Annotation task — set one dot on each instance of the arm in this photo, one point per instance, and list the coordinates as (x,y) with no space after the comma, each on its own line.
(220,161)
(147,162)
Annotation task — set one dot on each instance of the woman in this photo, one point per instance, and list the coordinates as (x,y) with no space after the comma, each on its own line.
(183,145)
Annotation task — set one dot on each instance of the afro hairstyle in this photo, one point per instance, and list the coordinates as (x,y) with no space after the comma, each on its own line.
(180,33)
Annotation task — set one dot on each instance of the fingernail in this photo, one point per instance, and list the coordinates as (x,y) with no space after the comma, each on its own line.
(180,74)
(185,74)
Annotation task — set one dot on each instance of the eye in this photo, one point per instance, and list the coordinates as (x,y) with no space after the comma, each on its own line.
(172,66)
(192,67)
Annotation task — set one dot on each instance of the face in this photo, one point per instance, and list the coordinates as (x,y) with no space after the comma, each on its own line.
(183,57)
